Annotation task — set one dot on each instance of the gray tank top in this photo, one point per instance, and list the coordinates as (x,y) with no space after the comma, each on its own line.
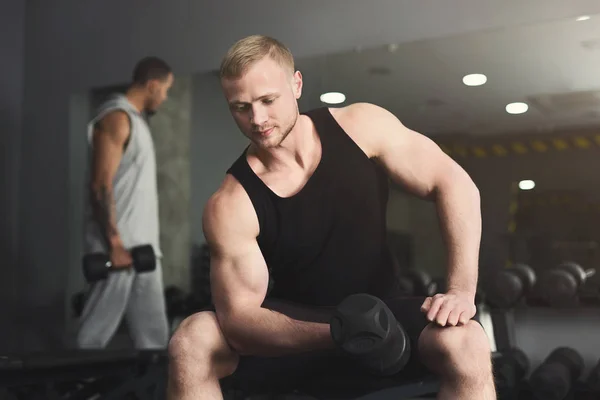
(134,185)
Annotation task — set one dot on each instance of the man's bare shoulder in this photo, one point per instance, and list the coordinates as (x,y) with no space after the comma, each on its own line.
(230,210)
(364,123)
(360,114)
(115,125)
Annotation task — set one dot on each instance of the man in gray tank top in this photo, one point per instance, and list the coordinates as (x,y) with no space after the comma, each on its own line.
(122,213)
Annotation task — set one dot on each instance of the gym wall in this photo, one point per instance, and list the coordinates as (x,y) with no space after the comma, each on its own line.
(216,142)
(171,131)
(12,43)
(418,218)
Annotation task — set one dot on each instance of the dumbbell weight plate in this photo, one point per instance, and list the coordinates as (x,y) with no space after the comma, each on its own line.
(558,286)
(593,379)
(144,259)
(527,275)
(554,377)
(576,270)
(510,368)
(367,331)
(506,289)
(95,267)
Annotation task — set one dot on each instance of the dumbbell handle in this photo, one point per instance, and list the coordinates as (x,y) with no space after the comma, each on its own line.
(590,272)
(109,265)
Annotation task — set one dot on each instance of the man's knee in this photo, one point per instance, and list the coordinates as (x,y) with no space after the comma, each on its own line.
(460,350)
(199,343)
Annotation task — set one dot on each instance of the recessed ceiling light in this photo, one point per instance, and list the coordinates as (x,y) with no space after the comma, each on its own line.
(474,79)
(526,184)
(583,18)
(517,108)
(333,98)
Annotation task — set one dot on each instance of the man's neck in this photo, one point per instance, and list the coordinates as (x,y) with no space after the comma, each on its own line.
(136,98)
(295,151)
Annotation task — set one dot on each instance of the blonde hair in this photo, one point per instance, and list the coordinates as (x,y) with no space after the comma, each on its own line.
(252,49)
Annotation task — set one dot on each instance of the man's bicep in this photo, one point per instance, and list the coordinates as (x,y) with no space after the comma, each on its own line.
(239,274)
(108,141)
(239,279)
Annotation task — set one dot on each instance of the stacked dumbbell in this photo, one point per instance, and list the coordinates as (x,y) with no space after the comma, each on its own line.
(510,286)
(562,286)
(97,266)
(591,387)
(510,368)
(556,377)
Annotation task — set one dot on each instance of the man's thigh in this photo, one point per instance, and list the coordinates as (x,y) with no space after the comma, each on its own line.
(329,371)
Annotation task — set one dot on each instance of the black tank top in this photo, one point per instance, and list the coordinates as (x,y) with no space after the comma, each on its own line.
(329,240)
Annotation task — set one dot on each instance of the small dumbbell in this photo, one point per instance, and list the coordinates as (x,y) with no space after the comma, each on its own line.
(96,266)
(560,285)
(555,377)
(510,285)
(591,389)
(510,368)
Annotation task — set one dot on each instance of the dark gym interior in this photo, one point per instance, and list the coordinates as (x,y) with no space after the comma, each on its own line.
(528,136)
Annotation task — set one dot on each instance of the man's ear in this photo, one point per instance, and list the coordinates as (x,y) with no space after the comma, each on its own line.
(298,84)
(152,86)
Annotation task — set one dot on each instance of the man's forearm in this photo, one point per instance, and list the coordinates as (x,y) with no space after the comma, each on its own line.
(265,332)
(459,211)
(105,213)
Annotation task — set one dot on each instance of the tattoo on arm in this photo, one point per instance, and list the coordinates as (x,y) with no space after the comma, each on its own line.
(109,139)
(105,211)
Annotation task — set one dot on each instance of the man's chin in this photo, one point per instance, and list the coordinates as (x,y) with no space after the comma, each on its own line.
(266,143)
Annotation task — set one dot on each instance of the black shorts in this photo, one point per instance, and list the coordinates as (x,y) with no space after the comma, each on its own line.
(323,373)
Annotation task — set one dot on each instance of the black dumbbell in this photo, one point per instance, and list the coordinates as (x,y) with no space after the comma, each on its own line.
(560,285)
(555,377)
(365,330)
(510,368)
(96,266)
(510,285)
(591,389)
(416,282)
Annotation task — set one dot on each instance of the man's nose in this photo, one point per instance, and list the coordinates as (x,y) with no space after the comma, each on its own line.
(259,115)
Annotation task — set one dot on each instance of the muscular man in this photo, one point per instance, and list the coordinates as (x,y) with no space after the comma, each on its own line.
(123,213)
(306,203)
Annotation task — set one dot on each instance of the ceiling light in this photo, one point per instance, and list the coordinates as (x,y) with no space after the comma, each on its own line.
(474,79)
(333,98)
(517,108)
(526,184)
(583,18)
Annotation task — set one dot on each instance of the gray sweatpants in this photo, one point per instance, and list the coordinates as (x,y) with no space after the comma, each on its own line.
(137,297)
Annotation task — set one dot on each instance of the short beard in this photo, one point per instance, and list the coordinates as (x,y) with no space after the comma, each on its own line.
(282,136)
